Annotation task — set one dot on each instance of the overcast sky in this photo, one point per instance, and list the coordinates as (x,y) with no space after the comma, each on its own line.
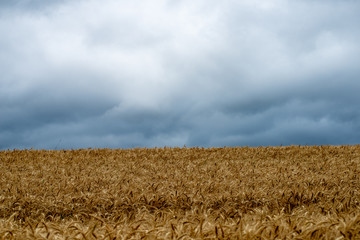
(154,73)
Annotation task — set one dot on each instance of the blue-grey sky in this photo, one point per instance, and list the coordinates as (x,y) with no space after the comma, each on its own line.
(123,74)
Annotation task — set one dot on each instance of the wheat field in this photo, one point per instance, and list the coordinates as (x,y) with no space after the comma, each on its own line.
(293,192)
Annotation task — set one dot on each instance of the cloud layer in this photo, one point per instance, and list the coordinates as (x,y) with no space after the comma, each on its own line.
(122,74)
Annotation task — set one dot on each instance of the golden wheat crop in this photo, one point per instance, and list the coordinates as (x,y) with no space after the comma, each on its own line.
(295,192)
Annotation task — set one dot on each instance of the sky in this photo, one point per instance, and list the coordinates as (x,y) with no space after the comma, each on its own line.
(125,74)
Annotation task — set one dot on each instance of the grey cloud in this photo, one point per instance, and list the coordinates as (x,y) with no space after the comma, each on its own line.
(174,73)
(28,5)
(296,122)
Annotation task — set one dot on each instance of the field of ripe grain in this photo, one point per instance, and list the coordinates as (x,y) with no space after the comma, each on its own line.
(296,192)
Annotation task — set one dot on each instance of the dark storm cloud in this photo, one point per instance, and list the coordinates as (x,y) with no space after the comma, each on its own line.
(110,73)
